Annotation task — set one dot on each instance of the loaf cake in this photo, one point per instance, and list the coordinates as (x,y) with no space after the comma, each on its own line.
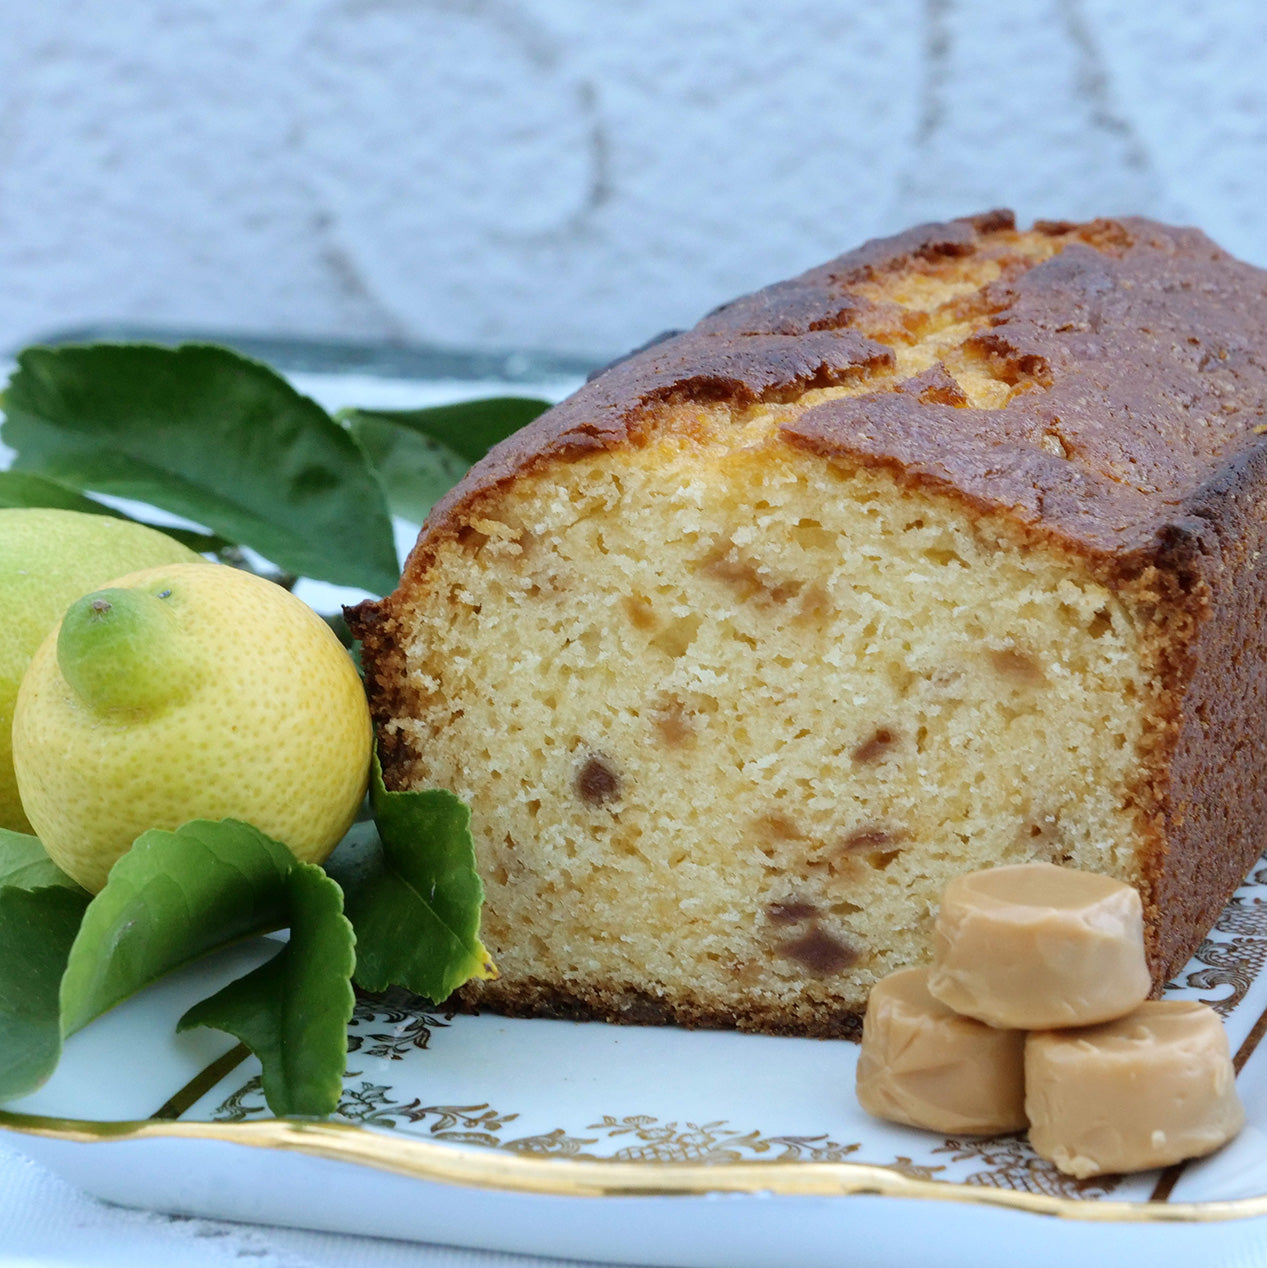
(946,554)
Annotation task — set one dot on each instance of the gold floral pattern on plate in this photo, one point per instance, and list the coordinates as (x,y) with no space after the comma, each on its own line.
(1001,1162)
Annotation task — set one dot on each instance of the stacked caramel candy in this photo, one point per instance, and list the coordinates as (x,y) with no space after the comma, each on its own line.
(1035,1014)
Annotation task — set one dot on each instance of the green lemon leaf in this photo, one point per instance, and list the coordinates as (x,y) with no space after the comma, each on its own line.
(416,472)
(293,1012)
(173,897)
(40,912)
(21,488)
(212,436)
(24,864)
(468,428)
(413,895)
(37,929)
(420,454)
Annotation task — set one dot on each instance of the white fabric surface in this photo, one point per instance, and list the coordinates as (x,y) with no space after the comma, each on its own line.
(46,1222)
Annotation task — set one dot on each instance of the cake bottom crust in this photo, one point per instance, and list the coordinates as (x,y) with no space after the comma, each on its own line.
(627,1006)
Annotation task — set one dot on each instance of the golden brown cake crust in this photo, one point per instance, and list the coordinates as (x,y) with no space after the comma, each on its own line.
(1133,438)
(1145,339)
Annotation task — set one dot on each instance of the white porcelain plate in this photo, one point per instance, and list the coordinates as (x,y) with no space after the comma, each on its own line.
(635,1145)
(648,1145)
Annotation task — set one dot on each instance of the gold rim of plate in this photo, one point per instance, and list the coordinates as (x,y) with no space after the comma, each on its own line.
(476,1167)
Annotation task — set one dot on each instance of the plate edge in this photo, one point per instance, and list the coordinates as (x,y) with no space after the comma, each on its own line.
(473,1167)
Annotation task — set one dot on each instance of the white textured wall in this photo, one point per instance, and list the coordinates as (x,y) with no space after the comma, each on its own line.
(577,175)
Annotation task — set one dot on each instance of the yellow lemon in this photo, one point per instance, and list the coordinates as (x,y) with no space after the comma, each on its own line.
(189,692)
(48,558)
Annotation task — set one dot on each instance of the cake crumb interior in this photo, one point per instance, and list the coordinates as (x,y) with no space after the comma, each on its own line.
(729,716)
(777,735)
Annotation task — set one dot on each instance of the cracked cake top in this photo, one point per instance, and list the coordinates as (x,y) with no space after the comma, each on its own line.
(1099,382)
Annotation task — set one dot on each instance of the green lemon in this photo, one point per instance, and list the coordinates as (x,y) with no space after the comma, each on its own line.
(190,691)
(48,559)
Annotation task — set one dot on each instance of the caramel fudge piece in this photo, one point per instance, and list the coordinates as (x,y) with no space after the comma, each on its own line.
(923,1065)
(1037,946)
(1150,1089)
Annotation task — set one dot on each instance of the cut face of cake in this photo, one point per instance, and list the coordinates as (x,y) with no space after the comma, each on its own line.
(942,556)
